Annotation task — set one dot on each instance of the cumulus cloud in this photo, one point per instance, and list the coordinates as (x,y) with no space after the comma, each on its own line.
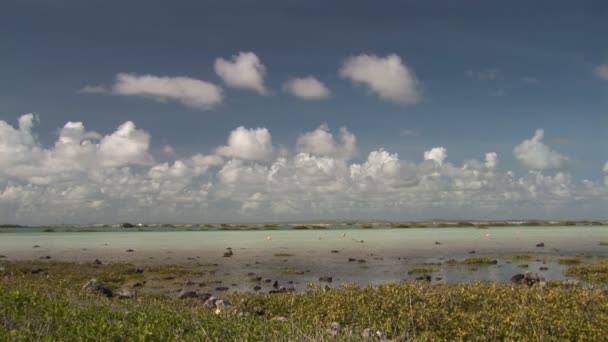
(601,71)
(185,90)
(437,154)
(244,70)
(110,177)
(322,143)
(248,144)
(128,145)
(491,160)
(535,155)
(388,77)
(308,88)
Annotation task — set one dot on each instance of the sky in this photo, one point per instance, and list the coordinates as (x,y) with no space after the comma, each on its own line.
(263,111)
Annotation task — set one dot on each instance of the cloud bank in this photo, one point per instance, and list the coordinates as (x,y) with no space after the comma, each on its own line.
(89,177)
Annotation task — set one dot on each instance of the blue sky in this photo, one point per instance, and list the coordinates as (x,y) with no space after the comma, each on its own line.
(488,75)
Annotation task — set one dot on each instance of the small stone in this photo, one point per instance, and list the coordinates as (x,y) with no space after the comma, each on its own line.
(228,254)
(326,279)
(257,288)
(223,304)
(130,250)
(437,243)
(36,246)
(221,288)
(424,277)
(541,244)
(335,251)
(471,252)
(543,268)
(123,294)
(97,262)
(368,333)
(275,284)
(351,259)
(95,285)
(210,302)
(45,257)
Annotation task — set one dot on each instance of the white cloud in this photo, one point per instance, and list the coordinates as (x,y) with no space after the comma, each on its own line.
(128,145)
(188,91)
(388,77)
(322,143)
(86,177)
(244,70)
(248,144)
(308,88)
(491,160)
(437,154)
(601,71)
(535,155)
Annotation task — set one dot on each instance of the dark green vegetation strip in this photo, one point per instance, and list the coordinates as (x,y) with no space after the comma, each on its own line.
(49,305)
(594,273)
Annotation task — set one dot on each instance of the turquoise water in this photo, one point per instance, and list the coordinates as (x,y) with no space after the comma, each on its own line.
(388,253)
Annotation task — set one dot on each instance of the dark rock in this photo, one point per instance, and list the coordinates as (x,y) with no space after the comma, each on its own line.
(275,284)
(267,280)
(45,257)
(251,274)
(280,290)
(221,288)
(36,270)
(97,286)
(527,278)
(543,268)
(361,261)
(351,259)
(438,278)
(130,250)
(437,243)
(97,262)
(326,279)
(257,288)
(424,277)
(541,244)
(471,252)
(335,251)
(210,302)
(35,246)
(228,254)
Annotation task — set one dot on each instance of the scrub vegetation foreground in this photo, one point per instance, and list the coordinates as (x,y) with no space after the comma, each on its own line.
(46,301)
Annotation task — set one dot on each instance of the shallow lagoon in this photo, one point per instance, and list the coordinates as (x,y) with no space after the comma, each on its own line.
(389,253)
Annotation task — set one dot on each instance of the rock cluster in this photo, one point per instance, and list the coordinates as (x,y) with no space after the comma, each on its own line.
(528,279)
